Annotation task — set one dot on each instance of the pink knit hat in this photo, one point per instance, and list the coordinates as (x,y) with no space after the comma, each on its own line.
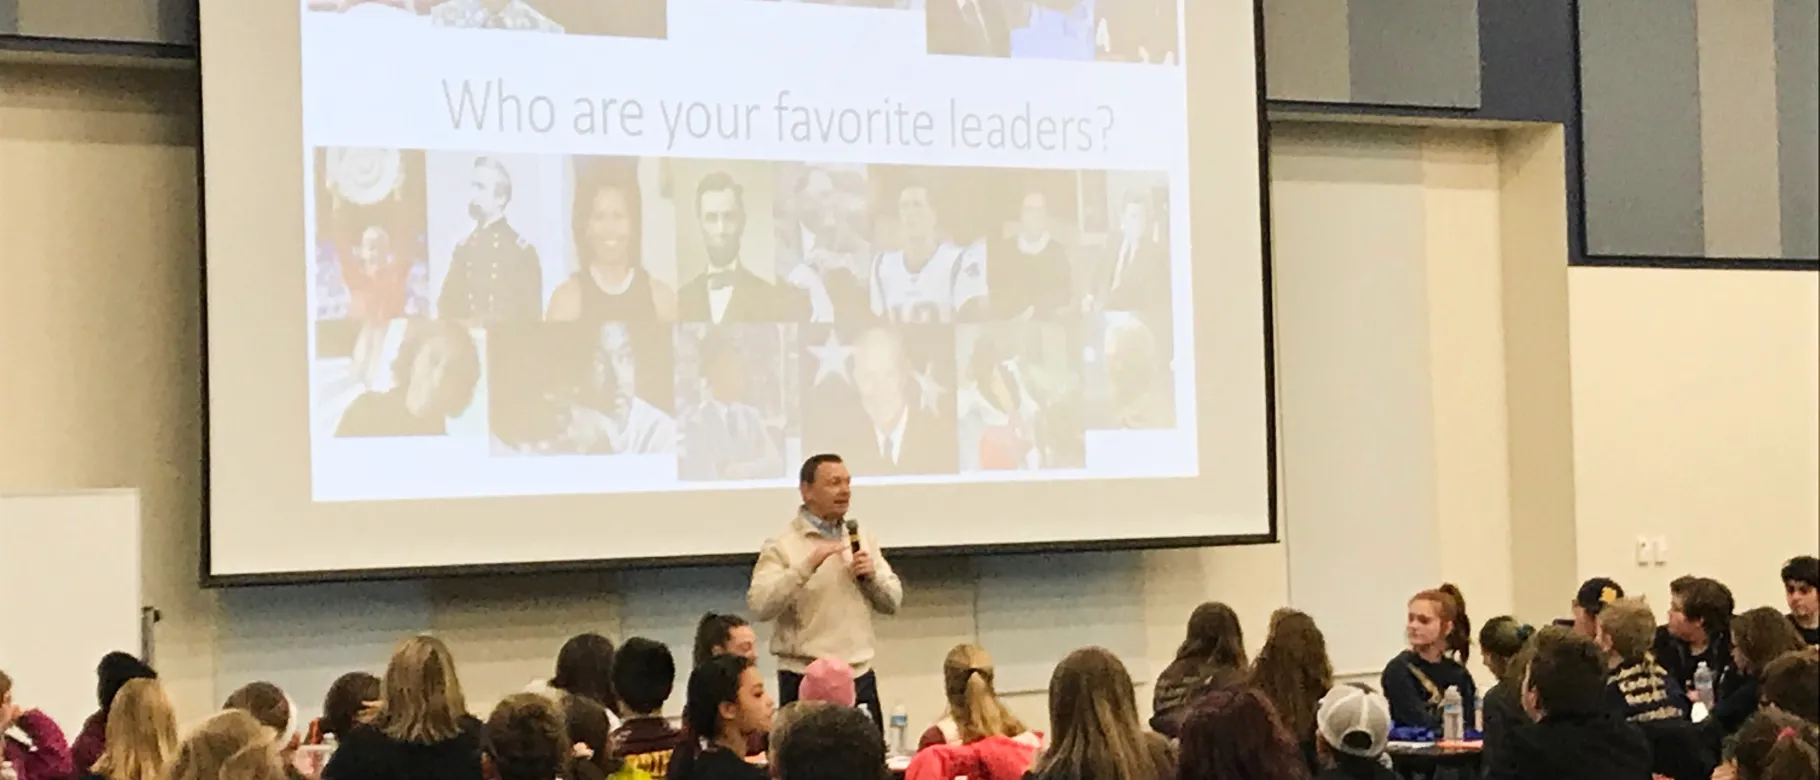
(829,680)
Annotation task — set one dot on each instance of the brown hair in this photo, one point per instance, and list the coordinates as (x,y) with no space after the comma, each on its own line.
(1094,726)
(232,745)
(141,733)
(350,694)
(1450,604)
(1777,746)
(1501,639)
(588,725)
(6,685)
(1761,635)
(1215,638)
(972,702)
(421,702)
(527,738)
(1631,624)
(1707,602)
(1235,732)
(1567,673)
(1293,670)
(265,702)
(1792,683)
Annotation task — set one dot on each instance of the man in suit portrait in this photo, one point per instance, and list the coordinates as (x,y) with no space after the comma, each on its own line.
(975,28)
(494,275)
(726,437)
(908,430)
(823,240)
(727,291)
(1136,278)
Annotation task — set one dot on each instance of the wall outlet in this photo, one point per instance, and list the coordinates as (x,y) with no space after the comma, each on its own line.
(1660,544)
(1646,553)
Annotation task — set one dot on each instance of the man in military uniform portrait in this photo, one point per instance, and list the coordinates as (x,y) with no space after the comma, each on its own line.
(494,275)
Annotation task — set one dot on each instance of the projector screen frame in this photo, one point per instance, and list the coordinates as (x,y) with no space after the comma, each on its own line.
(210,580)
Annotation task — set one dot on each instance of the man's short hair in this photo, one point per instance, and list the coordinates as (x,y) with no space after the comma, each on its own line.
(1567,673)
(717,182)
(813,465)
(831,743)
(1679,585)
(505,176)
(1803,569)
(644,674)
(526,738)
(1632,627)
(1708,602)
(1792,683)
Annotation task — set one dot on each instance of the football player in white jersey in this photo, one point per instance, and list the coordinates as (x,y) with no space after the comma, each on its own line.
(931,279)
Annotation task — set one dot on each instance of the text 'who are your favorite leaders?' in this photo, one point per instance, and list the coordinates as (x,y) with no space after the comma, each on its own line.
(492,107)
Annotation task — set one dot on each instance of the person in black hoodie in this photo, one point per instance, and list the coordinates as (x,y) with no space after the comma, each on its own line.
(1504,646)
(1644,694)
(1698,631)
(1801,580)
(420,730)
(1440,642)
(1759,637)
(1576,735)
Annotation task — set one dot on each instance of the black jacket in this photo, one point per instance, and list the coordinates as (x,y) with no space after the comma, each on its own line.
(368,754)
(1600,746)
(1503,715)
(1416,700)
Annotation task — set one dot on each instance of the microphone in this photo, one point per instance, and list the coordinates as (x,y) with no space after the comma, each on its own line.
(853,542)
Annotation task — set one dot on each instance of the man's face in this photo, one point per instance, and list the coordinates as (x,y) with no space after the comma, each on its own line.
(879,373)
(723,221)
(1033,219)
(1803,599)
(487,193)
(1684,629)
(374,247)
(916,214)
(741,641)
(1132,219)
(827,497)
(615,371)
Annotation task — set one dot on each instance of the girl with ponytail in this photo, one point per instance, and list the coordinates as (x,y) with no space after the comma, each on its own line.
(974,709)
(727,706)
(1440,642)
(1773,746)
(230,746)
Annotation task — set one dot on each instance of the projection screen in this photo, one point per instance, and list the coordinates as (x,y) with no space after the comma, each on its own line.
(505,283)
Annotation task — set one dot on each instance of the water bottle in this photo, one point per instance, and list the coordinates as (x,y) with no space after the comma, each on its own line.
(1453,716)
(1703,684)
(900,730)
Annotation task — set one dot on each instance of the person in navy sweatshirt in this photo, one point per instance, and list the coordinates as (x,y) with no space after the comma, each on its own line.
(1440,642)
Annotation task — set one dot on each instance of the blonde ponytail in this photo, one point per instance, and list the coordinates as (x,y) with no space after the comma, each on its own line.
(232,745)
(972,701)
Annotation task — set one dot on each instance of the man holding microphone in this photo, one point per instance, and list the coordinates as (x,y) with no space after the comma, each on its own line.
(821,580)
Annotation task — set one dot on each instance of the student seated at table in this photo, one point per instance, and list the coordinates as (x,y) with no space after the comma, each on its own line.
(1094,731)
(46,756)
(1211,656)
(974,709)
(1235,732)
(347,697)
(1643,692)
(1576,734)
(1293,672)
(1503,643)
(1801,581)
(1352,729)
(587,731)
(1698,631)
(1791,684)
(232,745)
(644,674)
(420,729)
(1590,600)
(1440,642)
(829,742)
(1773,746)
(141,734)
(727,705)
(1759,636)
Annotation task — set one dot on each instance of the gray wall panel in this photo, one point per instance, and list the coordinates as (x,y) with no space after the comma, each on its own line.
(1640,82)
(9,16)
(137,21)
(1798,124)
(1306,50)
(1738,128)
(1415,52)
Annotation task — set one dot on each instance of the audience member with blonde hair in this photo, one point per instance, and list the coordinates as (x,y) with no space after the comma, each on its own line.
(1211,656)
(141,734)
(1095,732)
(974,709)
(1625,631)
(420,729)
(1293,672)
(232,745)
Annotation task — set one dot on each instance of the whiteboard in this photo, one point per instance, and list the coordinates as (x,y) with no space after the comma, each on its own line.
(72,564)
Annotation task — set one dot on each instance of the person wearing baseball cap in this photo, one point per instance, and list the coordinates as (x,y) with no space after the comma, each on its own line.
(1594,594)
(1352,728)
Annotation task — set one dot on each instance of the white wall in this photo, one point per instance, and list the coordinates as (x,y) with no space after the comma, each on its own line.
(1391,355)
(1696,420)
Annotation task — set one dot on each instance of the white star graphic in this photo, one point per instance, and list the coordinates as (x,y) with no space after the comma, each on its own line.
(831,358)
(930,390)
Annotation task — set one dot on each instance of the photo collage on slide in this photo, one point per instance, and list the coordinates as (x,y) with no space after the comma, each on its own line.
(734,316)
